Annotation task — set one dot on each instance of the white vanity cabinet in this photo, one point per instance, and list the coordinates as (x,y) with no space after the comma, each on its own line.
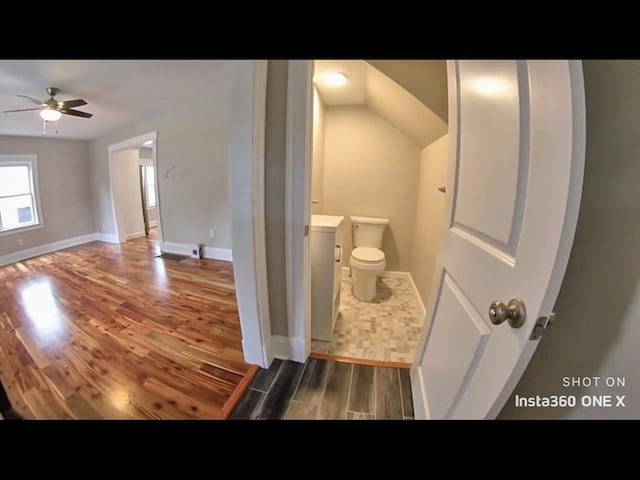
(326,274)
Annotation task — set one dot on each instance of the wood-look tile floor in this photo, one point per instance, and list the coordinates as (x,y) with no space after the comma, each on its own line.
(103,331)
(325,389)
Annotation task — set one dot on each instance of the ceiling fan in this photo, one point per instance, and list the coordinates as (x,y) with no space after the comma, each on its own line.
(52,109)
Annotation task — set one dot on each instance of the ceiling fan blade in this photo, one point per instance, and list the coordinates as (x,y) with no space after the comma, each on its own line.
(21,110)
(76,113)
(71,103)
(32,100)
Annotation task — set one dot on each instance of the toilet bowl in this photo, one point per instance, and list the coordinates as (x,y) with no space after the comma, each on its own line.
(366,264)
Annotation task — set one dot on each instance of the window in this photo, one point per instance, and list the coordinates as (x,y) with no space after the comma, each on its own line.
(150,186)
(18,195)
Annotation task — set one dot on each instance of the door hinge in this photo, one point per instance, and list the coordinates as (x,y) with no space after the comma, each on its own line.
(542,324)
(306,230)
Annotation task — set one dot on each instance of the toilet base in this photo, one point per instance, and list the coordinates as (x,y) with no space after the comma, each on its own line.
(364,286)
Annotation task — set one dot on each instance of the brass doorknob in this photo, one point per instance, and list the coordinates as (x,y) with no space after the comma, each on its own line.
(514,312)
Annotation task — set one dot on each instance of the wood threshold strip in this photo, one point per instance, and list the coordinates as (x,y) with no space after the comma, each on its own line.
(359,361)
(237,394)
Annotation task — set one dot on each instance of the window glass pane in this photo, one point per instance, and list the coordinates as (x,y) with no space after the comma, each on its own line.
(151,197)
(14,181)
(151,178)
(17,211)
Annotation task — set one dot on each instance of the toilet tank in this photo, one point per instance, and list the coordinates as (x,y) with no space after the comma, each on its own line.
(368,231)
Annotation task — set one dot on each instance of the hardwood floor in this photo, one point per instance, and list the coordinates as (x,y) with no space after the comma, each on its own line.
(104,331)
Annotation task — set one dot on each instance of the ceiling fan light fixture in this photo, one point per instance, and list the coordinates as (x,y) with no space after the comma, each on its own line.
(50,115)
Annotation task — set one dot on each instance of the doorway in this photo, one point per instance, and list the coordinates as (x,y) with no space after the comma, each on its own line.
(379,156)
(553,123)
(134,190)
(514,120)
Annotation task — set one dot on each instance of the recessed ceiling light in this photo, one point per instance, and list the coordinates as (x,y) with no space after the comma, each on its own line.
(147,143)
(334,79)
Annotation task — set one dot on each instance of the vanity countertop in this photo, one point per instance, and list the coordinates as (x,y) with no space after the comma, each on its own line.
(325,223)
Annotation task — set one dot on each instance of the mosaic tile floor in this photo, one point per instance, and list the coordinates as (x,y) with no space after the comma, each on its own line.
(387,329)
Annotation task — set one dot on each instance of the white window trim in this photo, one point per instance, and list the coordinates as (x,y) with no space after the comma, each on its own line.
(30,161)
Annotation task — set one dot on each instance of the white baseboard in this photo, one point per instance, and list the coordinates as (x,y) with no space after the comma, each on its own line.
(47,248)
(423,311)
(131,236)
(177,248)
(209,252)
(286,348)
(107,237)
(346,271)
(218,253)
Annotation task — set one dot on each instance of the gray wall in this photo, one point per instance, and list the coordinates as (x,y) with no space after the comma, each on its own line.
(371,169)
(65,198)
(193,135)
(597,332)
(275,160)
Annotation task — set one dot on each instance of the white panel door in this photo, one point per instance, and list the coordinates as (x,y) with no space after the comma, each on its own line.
(517,133)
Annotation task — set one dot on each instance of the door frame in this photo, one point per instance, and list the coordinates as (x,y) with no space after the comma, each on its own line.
(131,143)
(298,206)
(247,212)
(247,124)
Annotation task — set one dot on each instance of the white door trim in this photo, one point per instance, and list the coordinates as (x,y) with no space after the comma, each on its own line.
(297,212)
(135,142)
(247,202)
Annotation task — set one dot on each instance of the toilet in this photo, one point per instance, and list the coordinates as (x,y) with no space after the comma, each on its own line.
(367,258)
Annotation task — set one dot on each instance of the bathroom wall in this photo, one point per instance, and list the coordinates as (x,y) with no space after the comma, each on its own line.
(371,169)
(317,172)
(429,214)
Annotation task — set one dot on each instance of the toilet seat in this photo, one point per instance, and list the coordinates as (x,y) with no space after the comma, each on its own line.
(368,255)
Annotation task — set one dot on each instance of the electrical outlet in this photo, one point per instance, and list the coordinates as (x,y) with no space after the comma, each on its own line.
(103,227)
(211,233)
(20,242)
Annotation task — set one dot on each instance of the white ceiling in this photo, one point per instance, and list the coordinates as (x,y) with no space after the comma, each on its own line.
(369,87)
(117,91)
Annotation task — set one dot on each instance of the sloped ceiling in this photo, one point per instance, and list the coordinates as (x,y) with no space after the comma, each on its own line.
(369,87)
(424,79)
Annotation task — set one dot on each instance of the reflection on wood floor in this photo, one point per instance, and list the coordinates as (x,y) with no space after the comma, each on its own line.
(104,331)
